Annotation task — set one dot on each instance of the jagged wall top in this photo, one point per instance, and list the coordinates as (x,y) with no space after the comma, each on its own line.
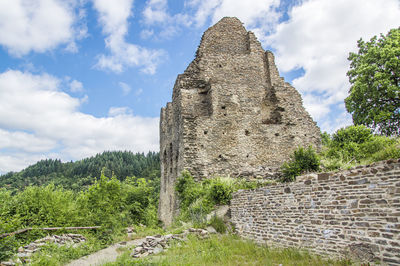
(228,36)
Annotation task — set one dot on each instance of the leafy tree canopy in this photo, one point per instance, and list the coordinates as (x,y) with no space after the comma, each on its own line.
(374,74)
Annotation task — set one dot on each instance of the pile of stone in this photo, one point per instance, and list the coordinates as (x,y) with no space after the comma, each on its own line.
(25,252)
(158,243)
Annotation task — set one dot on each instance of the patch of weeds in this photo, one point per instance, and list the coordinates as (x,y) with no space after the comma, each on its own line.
(144,231)
(227,250)
(52,254)
(218,224)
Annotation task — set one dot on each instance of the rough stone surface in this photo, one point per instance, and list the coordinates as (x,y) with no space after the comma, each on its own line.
(231,114)
(26,251)
(353,213)
(157,244)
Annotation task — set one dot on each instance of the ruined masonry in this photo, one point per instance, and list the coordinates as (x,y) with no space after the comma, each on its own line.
(231,114)
(352,213)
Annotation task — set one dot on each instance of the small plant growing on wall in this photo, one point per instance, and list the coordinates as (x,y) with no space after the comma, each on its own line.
(301,161)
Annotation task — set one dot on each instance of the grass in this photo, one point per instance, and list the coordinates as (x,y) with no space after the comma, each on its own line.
(143,231)
(226,250)
(52,254)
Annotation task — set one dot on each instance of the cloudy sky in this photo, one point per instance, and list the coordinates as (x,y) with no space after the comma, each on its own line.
(78,77)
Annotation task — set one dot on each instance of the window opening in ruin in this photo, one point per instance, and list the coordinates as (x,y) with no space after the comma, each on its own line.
(205,132)
(277,134)
(223,107)
(246,132)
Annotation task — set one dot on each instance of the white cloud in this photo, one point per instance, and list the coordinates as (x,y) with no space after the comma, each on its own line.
(126,89)
(38,120)
(318,38)
(156,14)
(113,17)
(257,15)
(138,91)
(38,26)
(146,33)
(155,11)
(17,161)
(76,86)
(120,111)
(24,141)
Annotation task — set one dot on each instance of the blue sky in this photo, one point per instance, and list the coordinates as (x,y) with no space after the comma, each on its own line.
(78,77)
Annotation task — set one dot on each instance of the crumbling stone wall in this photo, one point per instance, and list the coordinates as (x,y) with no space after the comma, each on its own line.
(231,114)
(352,213)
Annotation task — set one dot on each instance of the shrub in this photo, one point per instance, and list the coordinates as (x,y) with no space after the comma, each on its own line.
(221,190)
(356,134)
(139,201)
(389,152)
(184,181)
(197,199)
(198,210)
(44,206)
(301,161)
(218,224)
(357,145)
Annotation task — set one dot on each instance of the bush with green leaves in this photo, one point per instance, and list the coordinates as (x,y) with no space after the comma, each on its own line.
(301,161)
(354,145)
(108,203)
(197,199)
(221,189)
(140,200)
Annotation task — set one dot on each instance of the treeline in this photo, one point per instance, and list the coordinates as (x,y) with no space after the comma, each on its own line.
(81,174)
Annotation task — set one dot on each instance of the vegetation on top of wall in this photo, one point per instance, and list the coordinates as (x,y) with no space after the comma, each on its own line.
(347,147)
(356,145)
(81,174)
(302,160)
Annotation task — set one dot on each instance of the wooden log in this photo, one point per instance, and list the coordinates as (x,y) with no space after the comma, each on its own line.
(48,229)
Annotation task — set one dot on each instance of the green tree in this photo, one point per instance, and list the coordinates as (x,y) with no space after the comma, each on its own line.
(374,74)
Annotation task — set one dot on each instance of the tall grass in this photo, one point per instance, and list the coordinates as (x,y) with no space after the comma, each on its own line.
(227,250)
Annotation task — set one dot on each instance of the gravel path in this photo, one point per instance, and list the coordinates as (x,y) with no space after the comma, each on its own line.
(108,254)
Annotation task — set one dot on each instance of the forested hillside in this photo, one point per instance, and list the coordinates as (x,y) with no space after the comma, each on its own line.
(80,174)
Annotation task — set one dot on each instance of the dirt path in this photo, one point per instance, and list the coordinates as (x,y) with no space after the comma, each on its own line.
(108,254)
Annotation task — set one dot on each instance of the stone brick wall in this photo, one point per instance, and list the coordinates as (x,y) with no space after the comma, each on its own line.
(352,213)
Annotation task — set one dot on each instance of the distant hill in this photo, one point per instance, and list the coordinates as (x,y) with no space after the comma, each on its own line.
(80,174)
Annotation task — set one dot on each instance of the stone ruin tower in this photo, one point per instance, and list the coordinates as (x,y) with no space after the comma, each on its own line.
(231,114)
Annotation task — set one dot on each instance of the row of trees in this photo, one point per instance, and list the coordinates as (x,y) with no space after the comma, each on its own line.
(80,174)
